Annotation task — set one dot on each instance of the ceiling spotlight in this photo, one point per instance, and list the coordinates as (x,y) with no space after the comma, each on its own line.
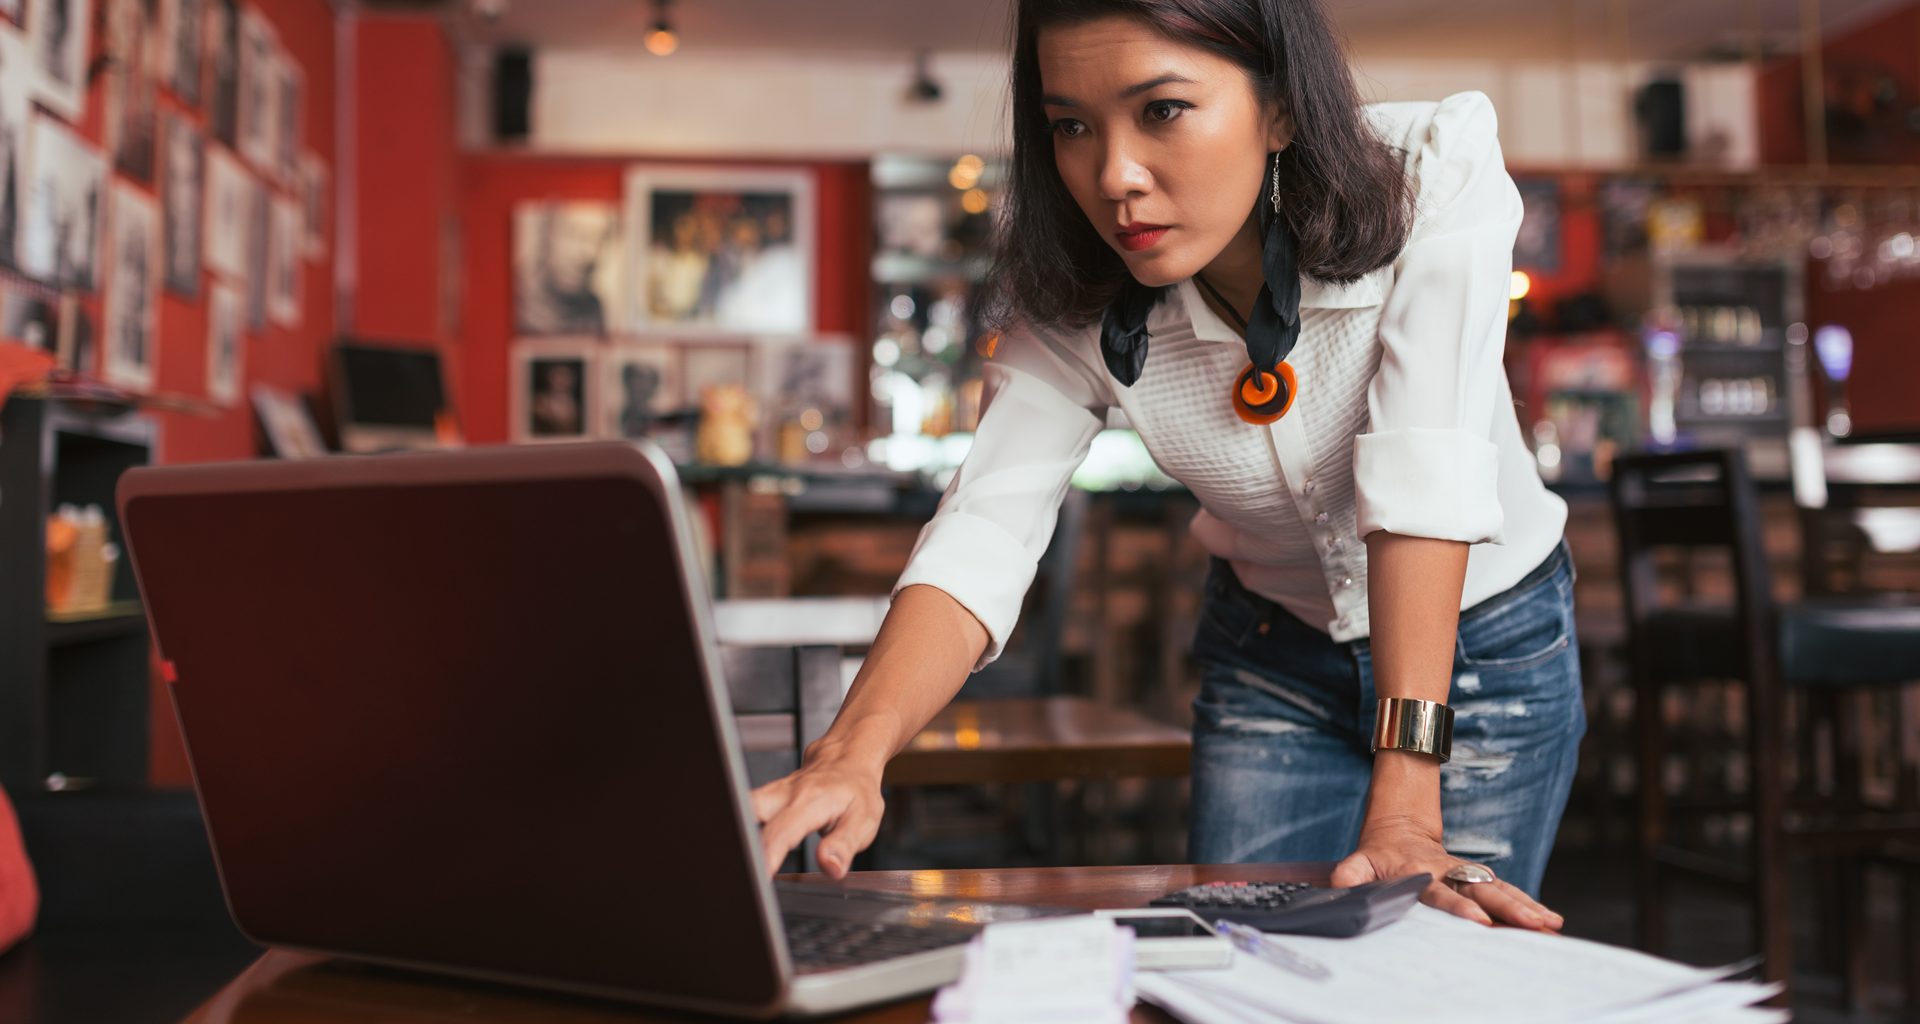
(662,40)
(923,89)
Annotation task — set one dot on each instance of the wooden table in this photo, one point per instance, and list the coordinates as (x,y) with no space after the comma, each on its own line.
(292,988)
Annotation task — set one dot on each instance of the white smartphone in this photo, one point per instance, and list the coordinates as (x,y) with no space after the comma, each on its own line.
(1171,939)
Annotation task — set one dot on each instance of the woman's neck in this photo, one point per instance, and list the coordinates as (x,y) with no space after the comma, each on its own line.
(1236,274)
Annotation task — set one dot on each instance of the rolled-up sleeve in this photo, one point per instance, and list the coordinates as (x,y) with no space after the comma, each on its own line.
(1041,407)
(1428,467)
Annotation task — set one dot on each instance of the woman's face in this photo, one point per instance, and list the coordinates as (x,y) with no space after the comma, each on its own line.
(1148,131)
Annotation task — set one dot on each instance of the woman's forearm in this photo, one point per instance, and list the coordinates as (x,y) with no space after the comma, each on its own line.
(926,646)
(1413,600)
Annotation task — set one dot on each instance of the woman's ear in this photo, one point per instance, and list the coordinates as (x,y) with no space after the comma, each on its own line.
(1280,131)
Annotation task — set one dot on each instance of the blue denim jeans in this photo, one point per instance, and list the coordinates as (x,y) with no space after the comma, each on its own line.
(1284,716)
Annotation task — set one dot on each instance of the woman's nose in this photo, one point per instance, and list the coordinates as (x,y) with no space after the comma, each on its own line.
(1121,175)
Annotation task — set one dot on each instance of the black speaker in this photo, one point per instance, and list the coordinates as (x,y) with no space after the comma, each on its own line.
(1661,109)
(512,94)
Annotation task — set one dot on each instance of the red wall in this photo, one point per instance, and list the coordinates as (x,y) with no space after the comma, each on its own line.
(1889,44)
(491,184)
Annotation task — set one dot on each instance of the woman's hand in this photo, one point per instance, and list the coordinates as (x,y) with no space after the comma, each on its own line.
(1395,849)
(834,793)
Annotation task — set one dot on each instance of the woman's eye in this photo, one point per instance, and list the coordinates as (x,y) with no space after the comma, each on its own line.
(1066,127)
(1165,110)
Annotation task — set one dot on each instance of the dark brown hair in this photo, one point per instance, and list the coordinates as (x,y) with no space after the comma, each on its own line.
(1343,191)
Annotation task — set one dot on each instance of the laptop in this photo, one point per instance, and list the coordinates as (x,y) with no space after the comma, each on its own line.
(462,711)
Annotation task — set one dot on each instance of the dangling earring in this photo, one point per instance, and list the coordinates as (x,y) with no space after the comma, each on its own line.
(1264,391)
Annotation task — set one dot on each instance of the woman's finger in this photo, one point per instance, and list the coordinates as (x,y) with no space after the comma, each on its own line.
(769,799)
(806,813)
(853,832)
(1509,904)
(1440,896)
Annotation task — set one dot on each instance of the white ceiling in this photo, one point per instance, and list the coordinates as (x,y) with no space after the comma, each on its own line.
(1401,29)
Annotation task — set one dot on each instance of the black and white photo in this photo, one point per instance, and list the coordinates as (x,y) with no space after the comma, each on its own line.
(59,33)
(133,280)
(566,267)
(639,384)
(286,235)
(60,233)
(183,184)
(226,343)
(223,71)
(182,33)
(258,133)
(718,250)
(229,193)
(130,87)
(553,389)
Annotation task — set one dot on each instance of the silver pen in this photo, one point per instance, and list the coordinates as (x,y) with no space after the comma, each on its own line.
(1256,943)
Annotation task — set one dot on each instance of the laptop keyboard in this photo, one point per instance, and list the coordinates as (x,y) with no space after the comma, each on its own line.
(825,943)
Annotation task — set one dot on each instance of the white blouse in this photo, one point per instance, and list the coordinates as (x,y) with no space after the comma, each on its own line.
(1403,419)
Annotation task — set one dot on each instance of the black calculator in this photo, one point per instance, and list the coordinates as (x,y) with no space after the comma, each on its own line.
(1296,908)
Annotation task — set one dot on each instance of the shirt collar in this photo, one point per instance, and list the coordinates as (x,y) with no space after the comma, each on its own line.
(1369,290)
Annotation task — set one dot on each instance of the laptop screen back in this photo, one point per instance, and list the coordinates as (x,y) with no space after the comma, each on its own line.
(449,709)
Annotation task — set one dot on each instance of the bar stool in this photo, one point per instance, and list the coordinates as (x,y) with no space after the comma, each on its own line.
(1706,500)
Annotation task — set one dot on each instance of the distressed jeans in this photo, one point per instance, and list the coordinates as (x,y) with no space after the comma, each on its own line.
(1285,714)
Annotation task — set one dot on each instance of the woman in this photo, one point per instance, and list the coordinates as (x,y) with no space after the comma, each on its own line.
(1300,304)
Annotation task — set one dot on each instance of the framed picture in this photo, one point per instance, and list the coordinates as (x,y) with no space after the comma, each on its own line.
(229,189)
(566,265)
(259,221)
(66,187)
(555,389)
(287,424)
(286,236)
(133,287)
(1537,245)
(640,383)
(17,76)
(226,343)
(223,70)
(258,132)
(130,88)
(182,34)
(718,250)
(709,364)
(30,314)
(289,119)
(59,34)
(183,183)
(314,205)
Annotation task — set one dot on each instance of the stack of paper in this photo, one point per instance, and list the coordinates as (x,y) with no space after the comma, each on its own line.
(1073,970)
(1435,968)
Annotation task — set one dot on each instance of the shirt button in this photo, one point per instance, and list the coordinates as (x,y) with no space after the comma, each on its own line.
(1307,488)
(1345,622)
(1335,544)
(1320,520)
(1348,582)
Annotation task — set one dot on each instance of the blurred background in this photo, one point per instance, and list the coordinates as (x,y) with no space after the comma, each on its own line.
(752,231)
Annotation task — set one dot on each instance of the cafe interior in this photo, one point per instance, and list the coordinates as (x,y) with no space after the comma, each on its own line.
(751,234)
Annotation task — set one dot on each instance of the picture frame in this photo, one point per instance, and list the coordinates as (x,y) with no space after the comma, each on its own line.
(226,342)
(566,268)
(132,305)
(640,383)
(554,391)
(287,424)
(59,32)
(718,251)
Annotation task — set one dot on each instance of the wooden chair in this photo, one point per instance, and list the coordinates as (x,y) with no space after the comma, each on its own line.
(1706,500)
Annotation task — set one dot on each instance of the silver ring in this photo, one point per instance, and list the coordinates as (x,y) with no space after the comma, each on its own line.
(1468,873)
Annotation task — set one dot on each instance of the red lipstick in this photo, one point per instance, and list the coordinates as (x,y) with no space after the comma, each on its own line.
(1140,235)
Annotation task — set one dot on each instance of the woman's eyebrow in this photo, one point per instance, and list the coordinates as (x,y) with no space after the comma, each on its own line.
(1056,100)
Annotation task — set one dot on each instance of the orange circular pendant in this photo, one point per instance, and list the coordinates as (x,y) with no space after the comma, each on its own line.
(1261,398)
